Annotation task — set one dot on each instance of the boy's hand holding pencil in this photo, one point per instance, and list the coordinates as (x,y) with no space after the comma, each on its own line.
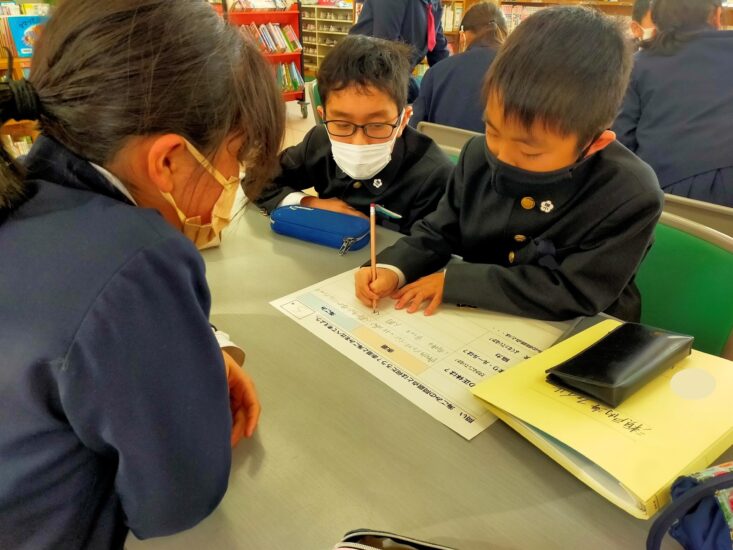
(426,289)
(370,288)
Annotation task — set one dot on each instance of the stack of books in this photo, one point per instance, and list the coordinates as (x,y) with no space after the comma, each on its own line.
(271,38)
(36,8)
(515,14)
(452,16)
(289,78)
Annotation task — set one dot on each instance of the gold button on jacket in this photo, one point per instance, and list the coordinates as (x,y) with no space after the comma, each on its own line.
(528,203)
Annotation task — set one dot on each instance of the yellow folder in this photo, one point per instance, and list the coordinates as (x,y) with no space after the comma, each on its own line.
(677,424)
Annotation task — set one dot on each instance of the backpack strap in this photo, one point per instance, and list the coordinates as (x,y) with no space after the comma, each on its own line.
(678,508)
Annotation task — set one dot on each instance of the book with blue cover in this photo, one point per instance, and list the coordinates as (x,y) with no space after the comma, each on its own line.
(25,31)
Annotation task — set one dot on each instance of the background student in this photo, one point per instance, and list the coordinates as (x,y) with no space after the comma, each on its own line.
(117,406)
(550,215)
(641,24)
(450,92)
(678,111)
(364,152)
(415,22)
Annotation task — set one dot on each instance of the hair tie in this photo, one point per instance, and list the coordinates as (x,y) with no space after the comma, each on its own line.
(27,102)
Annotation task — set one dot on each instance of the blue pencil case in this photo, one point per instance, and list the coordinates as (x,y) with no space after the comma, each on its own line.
(324,227)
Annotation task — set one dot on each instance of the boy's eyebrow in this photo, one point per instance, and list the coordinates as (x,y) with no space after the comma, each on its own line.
(528,140)
(383,114)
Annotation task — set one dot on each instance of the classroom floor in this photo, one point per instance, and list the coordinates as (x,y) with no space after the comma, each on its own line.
(295,125)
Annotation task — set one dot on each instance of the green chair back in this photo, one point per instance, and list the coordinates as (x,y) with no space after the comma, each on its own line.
(686,283)
(450,140)
(315,99)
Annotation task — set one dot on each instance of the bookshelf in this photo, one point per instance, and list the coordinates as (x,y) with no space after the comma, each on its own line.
(453,12)
(323,28)
(17,135)
(18,23)
(284,17)
(518,10)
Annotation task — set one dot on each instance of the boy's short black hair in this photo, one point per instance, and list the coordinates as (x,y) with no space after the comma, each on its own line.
(567,67)
(640,9)
(363,61)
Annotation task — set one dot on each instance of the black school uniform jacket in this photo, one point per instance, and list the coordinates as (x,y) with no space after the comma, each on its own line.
(411,184)
(542,251)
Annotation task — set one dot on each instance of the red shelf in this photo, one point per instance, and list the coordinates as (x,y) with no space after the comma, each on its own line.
(292,96)
(282,57)
(264,16)
(283,17)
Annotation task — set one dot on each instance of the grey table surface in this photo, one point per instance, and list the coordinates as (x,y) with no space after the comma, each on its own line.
(336,449)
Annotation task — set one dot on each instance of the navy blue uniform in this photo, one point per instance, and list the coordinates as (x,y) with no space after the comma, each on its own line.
(678,116)
(405,21)
(545,251)
(450,92)
(113,395)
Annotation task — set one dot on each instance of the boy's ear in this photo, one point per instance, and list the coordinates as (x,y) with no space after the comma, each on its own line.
(604,140)
(321,112)
(405,120)
(461,41)
(636,30)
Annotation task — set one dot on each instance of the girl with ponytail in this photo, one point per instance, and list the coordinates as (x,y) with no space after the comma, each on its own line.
(118,407)
(678,111)
(450,92)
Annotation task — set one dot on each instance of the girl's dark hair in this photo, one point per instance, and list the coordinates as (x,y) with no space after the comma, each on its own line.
(364,61)
(546,73)
(677,21)
(12,189)
(106,71)
(17,101)
(487,21)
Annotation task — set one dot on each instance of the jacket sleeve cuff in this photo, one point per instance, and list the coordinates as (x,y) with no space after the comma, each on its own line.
(397,271)
(225,343)
(292,199)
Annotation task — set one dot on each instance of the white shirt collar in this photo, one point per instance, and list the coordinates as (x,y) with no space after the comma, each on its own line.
(115,181)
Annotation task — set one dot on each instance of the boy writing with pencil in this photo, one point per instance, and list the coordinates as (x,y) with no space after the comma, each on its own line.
(364,152)
(549,214)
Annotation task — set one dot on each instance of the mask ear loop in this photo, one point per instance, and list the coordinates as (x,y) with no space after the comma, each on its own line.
(210,168)
(584,152)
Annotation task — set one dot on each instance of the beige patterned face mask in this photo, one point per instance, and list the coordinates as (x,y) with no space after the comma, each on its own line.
(208,235)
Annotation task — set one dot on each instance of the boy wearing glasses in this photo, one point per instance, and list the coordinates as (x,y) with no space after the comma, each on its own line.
(364,152)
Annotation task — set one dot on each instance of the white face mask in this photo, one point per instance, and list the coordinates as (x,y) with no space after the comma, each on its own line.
(364,161)
(647,33)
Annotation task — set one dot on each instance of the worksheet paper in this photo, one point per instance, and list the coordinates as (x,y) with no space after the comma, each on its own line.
(432,361)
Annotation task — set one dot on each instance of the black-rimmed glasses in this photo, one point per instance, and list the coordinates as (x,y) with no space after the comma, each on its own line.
(374,130)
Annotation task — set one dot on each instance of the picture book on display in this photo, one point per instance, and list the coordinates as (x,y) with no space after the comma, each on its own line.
(19,33)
